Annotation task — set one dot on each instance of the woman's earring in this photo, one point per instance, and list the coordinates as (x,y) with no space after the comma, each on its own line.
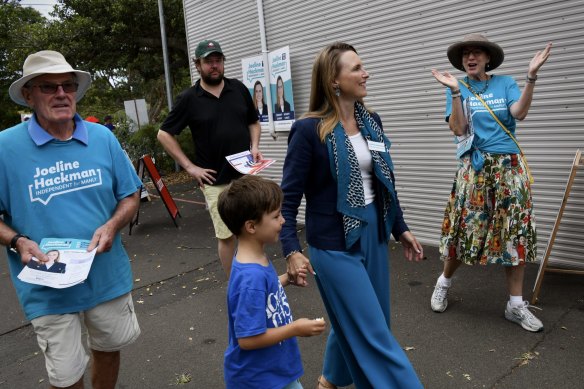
(337,90)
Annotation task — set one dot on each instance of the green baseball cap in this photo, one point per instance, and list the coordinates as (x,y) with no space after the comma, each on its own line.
(206,47)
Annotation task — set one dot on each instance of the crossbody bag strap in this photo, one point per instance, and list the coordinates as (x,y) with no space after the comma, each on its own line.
(504,128)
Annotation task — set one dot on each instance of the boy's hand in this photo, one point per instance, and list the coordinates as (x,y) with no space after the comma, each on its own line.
(300,276)
(300,279)
(308,327)
(294,264)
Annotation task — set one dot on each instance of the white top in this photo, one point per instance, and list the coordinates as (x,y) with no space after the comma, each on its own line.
(365,164)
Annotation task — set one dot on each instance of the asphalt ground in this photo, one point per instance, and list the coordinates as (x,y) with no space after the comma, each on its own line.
(179,294)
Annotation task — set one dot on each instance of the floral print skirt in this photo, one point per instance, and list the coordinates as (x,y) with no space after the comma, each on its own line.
(489,215)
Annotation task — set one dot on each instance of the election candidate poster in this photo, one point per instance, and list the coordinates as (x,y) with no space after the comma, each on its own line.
(281,88)
(254,80)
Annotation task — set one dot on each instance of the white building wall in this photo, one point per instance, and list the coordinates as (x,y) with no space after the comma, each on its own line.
(399,42)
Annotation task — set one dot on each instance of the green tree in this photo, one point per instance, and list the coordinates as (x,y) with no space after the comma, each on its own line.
(18,30)
(117,41)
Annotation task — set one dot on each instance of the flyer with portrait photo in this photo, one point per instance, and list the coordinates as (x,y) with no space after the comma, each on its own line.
(243,162)
(69,263)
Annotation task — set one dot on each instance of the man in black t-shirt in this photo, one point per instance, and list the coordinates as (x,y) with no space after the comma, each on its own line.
(223,121)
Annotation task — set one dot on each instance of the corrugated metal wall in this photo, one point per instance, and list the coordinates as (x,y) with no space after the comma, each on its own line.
(399,42)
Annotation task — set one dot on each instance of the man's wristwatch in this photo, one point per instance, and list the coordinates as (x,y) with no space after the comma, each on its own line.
(14,240)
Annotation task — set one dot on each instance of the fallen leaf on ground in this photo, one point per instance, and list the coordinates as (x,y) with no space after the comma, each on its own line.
(184,378)
(526,357)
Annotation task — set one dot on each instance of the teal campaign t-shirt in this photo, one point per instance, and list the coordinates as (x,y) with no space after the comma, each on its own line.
(502,92)
(65,189)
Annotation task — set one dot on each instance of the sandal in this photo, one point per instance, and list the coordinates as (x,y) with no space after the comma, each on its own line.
(324,384)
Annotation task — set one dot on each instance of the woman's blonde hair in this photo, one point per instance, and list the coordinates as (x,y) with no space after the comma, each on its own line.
(323,102)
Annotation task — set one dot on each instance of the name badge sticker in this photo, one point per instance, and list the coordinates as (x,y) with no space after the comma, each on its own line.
(376,146)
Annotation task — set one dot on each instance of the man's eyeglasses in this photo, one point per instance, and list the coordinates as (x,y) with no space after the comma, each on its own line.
(49,89)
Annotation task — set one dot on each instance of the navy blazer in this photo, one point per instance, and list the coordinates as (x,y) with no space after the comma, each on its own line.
(57,267)
(278,108)
(307,171)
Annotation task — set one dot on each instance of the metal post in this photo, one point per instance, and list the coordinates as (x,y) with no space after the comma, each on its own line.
(165,55)
(266,67)
(166,66)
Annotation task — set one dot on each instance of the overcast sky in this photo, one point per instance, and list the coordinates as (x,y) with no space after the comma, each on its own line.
(43,6)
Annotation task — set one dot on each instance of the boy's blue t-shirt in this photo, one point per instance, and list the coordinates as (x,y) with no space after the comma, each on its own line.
(499,96)
(256,301)
(65,189)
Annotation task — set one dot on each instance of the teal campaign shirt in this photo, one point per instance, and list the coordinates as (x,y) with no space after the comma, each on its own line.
(65,189)
(501,93)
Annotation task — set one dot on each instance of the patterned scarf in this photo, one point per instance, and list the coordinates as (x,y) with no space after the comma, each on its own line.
(345,169)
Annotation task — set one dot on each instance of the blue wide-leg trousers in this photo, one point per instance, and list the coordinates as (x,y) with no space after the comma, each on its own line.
(354,287)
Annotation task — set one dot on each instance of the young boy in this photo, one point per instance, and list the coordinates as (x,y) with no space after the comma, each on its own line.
(263,351)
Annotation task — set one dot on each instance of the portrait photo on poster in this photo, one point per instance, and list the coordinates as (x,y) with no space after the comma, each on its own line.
(281,87)
(254,79)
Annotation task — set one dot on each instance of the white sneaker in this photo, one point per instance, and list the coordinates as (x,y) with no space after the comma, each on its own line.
(439,300)
(523,316)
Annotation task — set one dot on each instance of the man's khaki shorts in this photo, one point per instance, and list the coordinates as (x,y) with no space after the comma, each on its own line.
(212,193)
(107,327)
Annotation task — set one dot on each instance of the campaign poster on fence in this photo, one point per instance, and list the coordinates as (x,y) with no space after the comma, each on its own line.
(281,88)
(253,79)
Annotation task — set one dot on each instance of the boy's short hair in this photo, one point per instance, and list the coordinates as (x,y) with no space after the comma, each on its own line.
(248,198)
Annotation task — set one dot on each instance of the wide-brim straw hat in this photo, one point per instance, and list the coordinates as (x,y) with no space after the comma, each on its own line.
(495,51)
(47,62)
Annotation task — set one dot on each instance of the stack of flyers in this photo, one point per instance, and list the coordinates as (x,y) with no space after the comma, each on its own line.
(243,162)
(69,263)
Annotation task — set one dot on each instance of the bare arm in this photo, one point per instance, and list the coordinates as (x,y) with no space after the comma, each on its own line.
(300,327)
(25,247)
(520,109)
(6,234)
(103,237)
(457,121)
(255,131)
(284,279)
(172,147)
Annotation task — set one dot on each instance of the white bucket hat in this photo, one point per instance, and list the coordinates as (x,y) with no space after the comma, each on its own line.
(47,62)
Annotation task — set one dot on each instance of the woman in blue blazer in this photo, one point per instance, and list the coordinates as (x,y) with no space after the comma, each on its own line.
(338,157)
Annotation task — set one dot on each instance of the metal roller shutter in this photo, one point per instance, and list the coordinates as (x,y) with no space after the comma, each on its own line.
(399,42)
